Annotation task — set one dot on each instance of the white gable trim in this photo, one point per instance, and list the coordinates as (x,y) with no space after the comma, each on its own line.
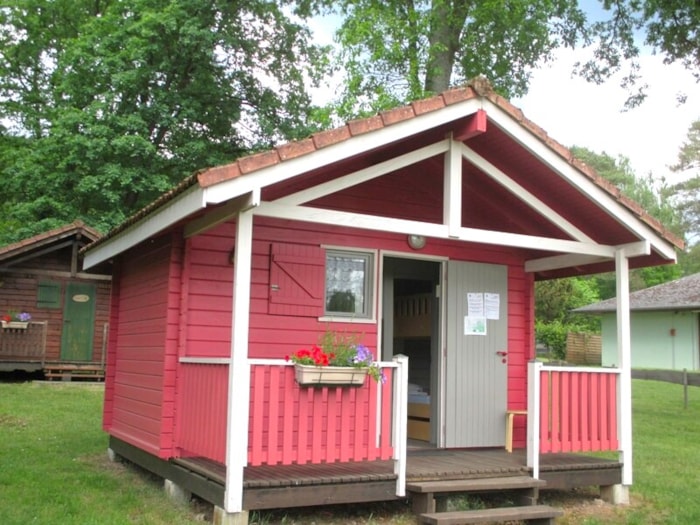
(343,150)
(577,179)
(366,174)
(521,193)
(173,211)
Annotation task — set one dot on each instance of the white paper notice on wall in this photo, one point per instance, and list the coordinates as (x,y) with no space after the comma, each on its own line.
(492,305)
(474,325)
(475,304)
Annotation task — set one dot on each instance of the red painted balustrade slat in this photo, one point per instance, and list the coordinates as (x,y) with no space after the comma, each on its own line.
(578,411)
(292,424)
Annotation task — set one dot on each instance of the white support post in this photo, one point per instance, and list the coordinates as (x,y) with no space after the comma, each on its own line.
(533,417)
(400,423)
(624,352)
(452,193)
(239,367)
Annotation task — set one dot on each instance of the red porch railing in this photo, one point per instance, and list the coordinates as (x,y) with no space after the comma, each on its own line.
(287,423)
(571,409)
(293,424)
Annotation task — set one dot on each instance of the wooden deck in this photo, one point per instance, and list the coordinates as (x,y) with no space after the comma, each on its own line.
(284,486)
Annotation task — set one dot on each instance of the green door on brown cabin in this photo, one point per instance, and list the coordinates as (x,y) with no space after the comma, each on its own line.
(78,322)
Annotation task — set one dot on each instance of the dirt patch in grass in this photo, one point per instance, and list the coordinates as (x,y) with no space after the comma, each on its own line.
(7,420)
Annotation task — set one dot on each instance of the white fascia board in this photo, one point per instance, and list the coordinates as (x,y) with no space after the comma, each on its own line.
(342,150)
(521,193)
(603,199)
(440,231)
(366,174)
(185,204)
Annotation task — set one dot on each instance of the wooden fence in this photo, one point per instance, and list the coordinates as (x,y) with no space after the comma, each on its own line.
(583,349)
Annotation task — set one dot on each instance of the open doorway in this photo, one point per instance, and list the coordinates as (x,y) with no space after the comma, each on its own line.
(411,326)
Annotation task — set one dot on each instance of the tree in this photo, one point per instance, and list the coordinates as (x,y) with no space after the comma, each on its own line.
(112,102)
(653,196)
(392,51)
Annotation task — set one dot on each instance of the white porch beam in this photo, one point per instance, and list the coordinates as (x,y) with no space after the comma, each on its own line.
(223,213)
(624,352)
(239,368)
(521,193)
(366,174)
(452,188)
(603,199)
(375,223)
(556,262)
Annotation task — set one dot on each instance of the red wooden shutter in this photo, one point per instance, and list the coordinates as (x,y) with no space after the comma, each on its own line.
(297,280)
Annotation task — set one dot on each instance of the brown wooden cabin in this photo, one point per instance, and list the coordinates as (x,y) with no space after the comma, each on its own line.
(43,276)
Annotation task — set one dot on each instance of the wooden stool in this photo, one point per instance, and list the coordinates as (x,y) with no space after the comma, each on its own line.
(510,416)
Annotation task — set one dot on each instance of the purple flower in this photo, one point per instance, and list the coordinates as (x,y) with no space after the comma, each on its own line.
(362,355)
(24,317)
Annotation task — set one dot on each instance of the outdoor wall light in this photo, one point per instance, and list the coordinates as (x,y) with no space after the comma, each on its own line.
(417,242)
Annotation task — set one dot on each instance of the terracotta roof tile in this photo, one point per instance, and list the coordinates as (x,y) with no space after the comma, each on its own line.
(292,150)
(427,105)
(365,125)
(392,116)
(456,95)
(479,86)
(215,175)
(258,161)
(331,136)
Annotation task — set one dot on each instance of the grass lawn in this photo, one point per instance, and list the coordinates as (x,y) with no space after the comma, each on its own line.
(54,469)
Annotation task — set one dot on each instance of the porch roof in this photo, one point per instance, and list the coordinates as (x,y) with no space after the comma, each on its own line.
(516,185)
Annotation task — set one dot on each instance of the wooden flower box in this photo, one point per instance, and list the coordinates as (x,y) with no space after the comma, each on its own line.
(14,325)
(310,375)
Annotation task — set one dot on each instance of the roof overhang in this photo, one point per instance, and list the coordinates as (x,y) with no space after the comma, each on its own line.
(294,186)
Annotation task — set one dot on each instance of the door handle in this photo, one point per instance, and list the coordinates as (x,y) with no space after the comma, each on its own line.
(501,353)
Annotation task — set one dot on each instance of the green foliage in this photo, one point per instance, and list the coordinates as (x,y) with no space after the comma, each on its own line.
(111,103)
(553,335)
(396,50)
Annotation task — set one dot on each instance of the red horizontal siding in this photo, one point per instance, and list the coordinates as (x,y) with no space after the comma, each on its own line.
(136,379)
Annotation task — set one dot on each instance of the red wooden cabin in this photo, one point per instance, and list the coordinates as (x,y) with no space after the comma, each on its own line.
(69,307)
(424,230)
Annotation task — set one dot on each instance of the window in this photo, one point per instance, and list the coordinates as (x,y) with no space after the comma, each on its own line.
(48,295)
(349,279)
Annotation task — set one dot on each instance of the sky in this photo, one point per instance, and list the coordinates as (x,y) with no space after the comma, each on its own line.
(577,113)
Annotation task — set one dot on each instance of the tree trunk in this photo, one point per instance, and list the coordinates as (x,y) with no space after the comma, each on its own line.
(447,21)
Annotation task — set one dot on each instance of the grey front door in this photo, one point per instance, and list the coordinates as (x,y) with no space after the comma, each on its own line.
(475,394)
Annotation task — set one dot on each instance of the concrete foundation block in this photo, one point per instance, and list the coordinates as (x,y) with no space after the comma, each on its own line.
(176,493)
(113,456)
(616,494)
(221,517)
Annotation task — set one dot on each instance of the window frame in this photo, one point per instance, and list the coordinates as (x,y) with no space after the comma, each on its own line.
(370,312)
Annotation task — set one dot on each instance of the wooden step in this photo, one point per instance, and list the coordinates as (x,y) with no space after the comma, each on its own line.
(476,485)
(67,372)
(539,514)
(423,492)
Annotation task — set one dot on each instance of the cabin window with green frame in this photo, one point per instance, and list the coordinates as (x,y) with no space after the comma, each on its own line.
(349,281)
